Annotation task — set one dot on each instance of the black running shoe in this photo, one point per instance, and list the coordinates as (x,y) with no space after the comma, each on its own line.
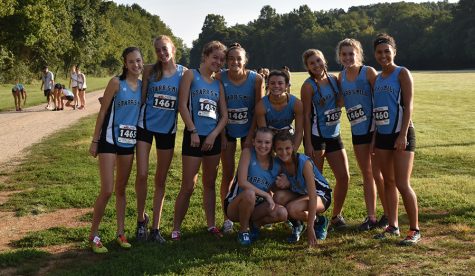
(368,224)
(155,236)
(141,230)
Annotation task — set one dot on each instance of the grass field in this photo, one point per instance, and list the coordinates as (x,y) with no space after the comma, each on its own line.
(35,96)
(443,178)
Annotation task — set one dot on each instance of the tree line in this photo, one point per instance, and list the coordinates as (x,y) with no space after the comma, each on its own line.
(93,33)
(60,33)
(429,35)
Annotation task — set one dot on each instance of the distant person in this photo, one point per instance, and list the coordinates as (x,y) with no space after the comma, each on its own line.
(19,94)
(357,82)
(395,141)
(68,96)
(286,70)
(73,84)
(322,107)
(243,89)
(82,85)
(47,85)
(57,96)
(114,142)
(250,201)
(158,119)
(202,106)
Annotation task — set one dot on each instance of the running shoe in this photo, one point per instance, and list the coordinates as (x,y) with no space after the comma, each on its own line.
(96,246)
(215,232)
(383,222)
(244,238)
(156,236)
(368,224)
(227,226)
(412,238)
(122,241)
(141,230)
(297,229)
(176,235)
(338,223)
(254,232)
(388,232)
(320,227)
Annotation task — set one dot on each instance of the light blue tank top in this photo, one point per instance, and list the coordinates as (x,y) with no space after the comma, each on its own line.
(159,113)
(388,104)
(297,182)
(325,118)
(120,124)
(203,103)
(241,102)
(358,102)
(279,120)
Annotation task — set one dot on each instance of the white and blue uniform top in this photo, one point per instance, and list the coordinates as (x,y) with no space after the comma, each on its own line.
(325,118)
(358,102)
(203,103)
(297,182)
(279,120)
(19,87)
(159,113)
(120,124)
(241,102)
(256,175)
(388,103)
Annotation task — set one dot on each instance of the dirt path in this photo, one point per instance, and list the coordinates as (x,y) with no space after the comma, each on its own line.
(20,130)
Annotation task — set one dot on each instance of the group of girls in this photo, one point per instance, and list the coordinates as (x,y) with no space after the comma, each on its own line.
(218,107)
(77,82)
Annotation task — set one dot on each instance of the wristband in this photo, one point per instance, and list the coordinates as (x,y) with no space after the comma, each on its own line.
(193,131)
(94,141)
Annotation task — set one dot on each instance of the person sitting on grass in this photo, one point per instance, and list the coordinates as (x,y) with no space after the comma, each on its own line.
(68,96)
(301,202)
(249,202)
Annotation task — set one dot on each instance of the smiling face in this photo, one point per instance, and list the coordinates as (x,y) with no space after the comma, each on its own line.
(349,56)
(215,60)
(277,85)
(134,63)
(384,54)
(165,50)
(263,143)
(284,150)
(316,64)
(236,59)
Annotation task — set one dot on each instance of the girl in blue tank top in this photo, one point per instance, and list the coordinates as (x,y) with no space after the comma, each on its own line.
(395,138)
(279,109)
(356,82)
(322,109)
(308,193)
(158,118)
(250,194)
(243,89)
(202,106)
(114,140)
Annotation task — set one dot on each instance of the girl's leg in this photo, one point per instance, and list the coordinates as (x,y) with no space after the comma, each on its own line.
(15,101)
(143,154)
(379,181)
(82,97)
(241,208)
(403,162)
(164,159)
(263,214)
(363,157)
(385,159)
(76,97)
(210,171)
(106,172)
(283,197)
(124,166)
(228,167)
(189,175)
(338,162)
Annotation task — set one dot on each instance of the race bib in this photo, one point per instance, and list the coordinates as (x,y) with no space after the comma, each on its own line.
(356,114)
(207,108)
(332,116)
(237,115)
(381,115)
(162,101)
(127,134)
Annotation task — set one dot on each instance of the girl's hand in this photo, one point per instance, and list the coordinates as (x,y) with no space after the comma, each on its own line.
(282,182)
(312,239)
(270,200)
(401,142)
(309,151)
(93,149)
(224,142)
(195,140)
(208,143)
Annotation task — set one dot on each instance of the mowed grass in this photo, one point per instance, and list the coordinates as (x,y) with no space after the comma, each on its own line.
(36,96)
(59,173)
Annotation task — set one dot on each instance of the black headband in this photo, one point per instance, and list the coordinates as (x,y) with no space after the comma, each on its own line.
(384,40)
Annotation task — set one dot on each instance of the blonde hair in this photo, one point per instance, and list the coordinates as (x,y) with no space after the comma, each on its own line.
(157,70)
(210,47)
(355,44)
(313,52)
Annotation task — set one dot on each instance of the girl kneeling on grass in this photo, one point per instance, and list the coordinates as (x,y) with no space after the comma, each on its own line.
(114,142)
(249,201)
(301,204)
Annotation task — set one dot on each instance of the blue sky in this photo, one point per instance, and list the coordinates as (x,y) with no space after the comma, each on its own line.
(186,17)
